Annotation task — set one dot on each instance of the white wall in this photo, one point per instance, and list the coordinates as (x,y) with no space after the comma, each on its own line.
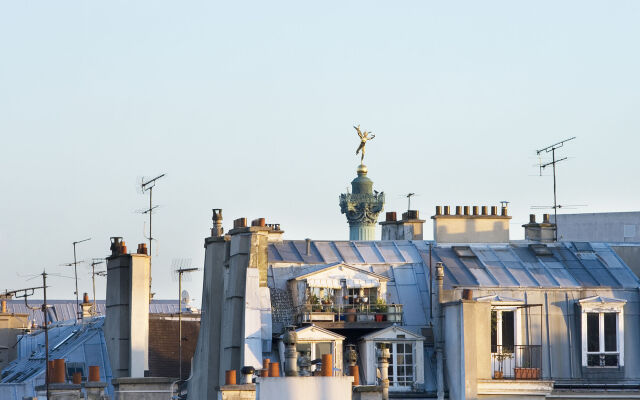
(307,388)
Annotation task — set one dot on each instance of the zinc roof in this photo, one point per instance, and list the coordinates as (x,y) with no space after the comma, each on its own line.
(515,264)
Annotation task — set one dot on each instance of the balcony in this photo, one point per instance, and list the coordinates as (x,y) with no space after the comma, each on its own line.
(517,362)
(336,316)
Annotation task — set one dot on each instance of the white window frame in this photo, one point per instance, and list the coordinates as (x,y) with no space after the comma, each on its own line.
(394,362)
(601,308)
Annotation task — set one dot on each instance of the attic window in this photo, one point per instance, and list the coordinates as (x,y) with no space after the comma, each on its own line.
(463,251)
(583,246)
(540,250)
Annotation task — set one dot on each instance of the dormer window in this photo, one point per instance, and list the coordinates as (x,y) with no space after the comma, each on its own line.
(602,332)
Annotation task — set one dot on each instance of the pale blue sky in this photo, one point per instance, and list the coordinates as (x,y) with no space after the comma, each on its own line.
(248,106)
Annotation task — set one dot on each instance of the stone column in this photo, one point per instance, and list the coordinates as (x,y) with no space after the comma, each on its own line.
(362,206)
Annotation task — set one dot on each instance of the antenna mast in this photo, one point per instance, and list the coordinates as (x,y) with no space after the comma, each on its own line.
(552,149)
(181,271)
(96,261)
(148,186)
(75,270)
(29,292)
(409,196)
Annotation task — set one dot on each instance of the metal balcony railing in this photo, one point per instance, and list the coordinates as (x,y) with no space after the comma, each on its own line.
(350,313)
(516,362)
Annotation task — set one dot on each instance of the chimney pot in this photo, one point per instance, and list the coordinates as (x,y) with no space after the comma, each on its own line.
(438,210)
(142,248)
(217,215)
(391,216)
(308,242)
(123,248)
(240,223)
(85,298)
(504,211)
(59,371)
(77,378)
(458,210)
(466,210)
(94,373)
(230,377)
(327,365)
(494,210)
(4,306)
(545,218)
(274,369)
(532,218)
(258,222)
(467,294)
(484,210)
(265,368)
(475,210)
(447,210)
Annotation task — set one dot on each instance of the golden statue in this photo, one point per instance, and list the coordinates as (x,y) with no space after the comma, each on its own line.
(364,137)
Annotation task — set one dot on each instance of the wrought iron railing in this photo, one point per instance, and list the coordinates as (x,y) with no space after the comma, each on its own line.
(516,362)
(350,313)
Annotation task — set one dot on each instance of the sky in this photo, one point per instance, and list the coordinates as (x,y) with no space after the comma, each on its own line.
(249,107)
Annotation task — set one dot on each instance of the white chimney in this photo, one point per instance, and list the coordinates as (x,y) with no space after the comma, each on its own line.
(127,316)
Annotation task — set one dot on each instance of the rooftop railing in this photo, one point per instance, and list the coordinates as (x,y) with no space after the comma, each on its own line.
(350,313)
(517,362)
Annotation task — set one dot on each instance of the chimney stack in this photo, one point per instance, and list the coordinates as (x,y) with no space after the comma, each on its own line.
(126,327)
(467,226)
(544,232)
(410,227)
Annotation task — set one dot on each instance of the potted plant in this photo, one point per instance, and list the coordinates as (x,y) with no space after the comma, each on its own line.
(315,303)
(526,371)
(499,374)
(381,307)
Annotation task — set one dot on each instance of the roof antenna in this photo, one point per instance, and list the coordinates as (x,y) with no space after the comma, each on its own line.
(24,293)
(148,186)
(75,271)
(552,149)
(181,268)
(96,261)
(409,196)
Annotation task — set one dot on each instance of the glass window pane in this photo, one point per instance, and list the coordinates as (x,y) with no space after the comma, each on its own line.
(304,348)
(593,360)
(593,332)
(610,339)
(508,329)
(494,332)
(611,360)
(323,348)
(408,359)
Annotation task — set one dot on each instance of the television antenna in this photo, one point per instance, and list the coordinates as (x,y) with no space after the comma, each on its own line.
(409,196)
(181,269)
(552,149)
(24,293)
(75,271)
(94,262)
(148,187)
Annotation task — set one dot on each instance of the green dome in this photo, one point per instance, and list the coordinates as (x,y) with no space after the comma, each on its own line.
(362,184)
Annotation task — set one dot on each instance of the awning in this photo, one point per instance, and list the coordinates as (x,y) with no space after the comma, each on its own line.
(324,283)
(362,283)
